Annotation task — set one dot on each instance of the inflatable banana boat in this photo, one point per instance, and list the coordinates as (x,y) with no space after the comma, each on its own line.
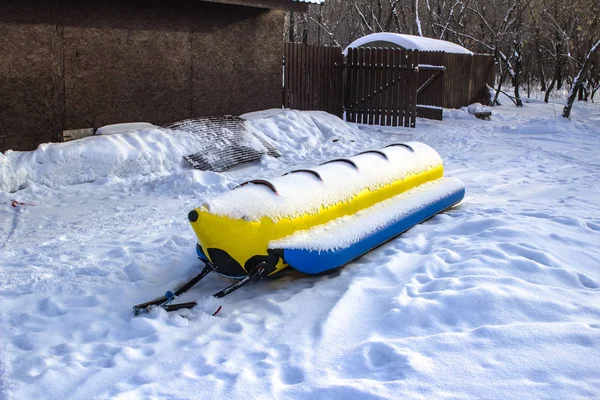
(315,220)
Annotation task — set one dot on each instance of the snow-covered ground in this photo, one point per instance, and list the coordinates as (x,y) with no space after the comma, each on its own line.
(496,298)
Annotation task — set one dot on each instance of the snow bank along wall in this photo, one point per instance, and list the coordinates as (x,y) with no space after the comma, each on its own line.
(71,65)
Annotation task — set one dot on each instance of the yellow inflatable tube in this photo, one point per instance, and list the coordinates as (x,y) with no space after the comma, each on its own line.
(235,228)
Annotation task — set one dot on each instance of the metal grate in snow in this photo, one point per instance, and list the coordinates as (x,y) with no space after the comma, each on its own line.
(226,142)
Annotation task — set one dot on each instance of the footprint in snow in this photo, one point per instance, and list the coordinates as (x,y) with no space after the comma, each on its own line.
(290,375)
(377,361)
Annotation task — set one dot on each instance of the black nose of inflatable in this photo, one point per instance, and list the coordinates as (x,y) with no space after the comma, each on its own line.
(193,216)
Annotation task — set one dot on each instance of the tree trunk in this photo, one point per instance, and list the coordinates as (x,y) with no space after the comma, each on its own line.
(579,79)
(556,77)
(517,81)
(500,81)
(549,90)
(580,93)
(594,90)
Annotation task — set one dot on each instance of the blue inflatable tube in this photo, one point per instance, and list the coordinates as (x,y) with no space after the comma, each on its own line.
(311,261)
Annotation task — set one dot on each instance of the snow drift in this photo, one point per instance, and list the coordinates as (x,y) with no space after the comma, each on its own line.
(156,151)
(498,298)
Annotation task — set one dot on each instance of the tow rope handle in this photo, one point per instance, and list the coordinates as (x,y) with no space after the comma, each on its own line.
(16,204)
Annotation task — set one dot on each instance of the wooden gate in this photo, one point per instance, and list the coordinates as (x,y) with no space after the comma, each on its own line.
(432,84)
(312,78)
(381,86)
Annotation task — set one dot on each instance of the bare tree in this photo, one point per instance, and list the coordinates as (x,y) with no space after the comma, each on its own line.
(579,79)
(536,43)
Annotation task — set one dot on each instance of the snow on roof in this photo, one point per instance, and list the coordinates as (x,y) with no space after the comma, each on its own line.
(409,42)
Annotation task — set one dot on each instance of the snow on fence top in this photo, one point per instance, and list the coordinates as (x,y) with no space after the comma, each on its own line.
(409,42)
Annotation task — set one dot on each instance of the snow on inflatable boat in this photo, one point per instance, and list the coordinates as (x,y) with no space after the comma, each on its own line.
(316,220)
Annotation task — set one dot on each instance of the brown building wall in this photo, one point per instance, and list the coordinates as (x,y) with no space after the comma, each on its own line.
(66,65)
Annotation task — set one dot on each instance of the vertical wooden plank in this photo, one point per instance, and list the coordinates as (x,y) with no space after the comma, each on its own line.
(368,82)
(305,90)
(372,86)
(285,75)
(325,78)
(310,92)
(320,83)
(377,91)
(365,85)
(372,74)
(409,76)
(376,86)
(413,89)
(403,88)
(325,64)
(360,84)
(382,103)
(382,96)
(415,81)
(299,49)
(315,78)
(290,69)
(306,85)
(294,76)
(318,75)
(348,89)
(296,83)
(388,87)
(352,64)
(332,95)
(400,87)
(302,98)
(294,96)
(409,85)
(312,76)
(358,54)
(337,92)
(339,71)
(395,85)
(348,86)
(284,85)
(406,92)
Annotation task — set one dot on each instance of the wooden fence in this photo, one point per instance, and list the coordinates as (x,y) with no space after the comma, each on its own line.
(466,77)
(312,78)
(381,86)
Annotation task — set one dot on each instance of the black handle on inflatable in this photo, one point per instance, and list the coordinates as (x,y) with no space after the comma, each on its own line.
(309,171)
(401,144)
(346,160)
(381,153)
(259,182)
